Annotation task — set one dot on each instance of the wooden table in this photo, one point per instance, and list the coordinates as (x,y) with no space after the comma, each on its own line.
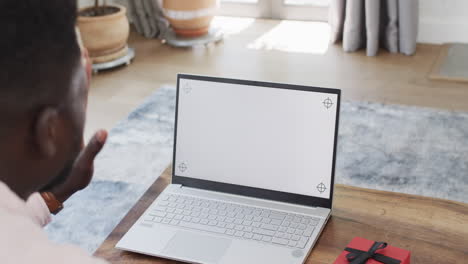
(434,230)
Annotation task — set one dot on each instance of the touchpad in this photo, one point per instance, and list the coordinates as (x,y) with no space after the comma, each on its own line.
(197,247)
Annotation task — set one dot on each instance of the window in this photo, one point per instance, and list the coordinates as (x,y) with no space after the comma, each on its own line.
(316,10)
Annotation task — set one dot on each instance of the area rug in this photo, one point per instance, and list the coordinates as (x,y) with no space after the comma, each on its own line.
(387,147)
(452,63)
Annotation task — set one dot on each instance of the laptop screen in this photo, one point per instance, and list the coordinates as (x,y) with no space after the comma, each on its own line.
(256,136)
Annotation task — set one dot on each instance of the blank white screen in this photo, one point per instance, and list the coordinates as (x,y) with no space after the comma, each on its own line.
(269,138)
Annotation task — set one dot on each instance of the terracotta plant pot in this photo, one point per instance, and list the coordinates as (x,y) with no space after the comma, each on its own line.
(105,36)
(190,18)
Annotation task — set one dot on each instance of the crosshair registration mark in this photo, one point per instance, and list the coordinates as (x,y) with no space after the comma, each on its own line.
(321,187)
(328,103)
(182,167)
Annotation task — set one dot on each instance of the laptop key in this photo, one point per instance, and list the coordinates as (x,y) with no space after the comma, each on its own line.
(231,214)
(239,227)
(257,237)
(280,241)
(314,222)
(170,215)
(239,233)
(159,208)
(207,228)
(264,232)
(269,227)
(203,215)
(280,234)
(292,243)
(158,213)
(248,229)
(276,222)
(222,213)
(195,214)
(178,217)
(302,242)
(266,239)
(308,231)
(230,232)
(248,235)
(277,216)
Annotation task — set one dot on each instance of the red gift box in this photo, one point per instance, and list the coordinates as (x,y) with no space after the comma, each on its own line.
(361,248)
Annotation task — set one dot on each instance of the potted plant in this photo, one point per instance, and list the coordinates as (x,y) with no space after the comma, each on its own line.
(104,30)
(190,18)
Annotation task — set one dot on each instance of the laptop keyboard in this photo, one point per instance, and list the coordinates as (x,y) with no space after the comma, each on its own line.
(240,221)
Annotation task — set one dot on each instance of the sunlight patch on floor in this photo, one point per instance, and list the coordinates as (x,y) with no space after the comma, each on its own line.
(295,36)
(232,25)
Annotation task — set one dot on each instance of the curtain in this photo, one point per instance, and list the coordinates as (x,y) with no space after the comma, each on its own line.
(392,24)
(147,17)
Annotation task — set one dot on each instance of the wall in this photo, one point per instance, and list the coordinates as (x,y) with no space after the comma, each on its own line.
(442,21)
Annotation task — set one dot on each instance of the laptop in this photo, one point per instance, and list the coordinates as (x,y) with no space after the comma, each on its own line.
(252,177)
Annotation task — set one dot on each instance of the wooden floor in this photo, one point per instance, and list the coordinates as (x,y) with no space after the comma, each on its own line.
(387,78)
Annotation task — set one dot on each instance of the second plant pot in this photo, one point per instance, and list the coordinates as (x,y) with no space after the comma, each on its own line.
(190,18)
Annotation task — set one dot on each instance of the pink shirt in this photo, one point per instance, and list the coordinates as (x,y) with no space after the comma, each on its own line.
(22,239)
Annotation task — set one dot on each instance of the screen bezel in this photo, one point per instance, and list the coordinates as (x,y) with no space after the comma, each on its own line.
(253,191)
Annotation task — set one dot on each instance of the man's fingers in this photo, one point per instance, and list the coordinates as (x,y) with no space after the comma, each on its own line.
(87,155)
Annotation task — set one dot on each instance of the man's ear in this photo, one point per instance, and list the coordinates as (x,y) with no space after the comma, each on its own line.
(46,131)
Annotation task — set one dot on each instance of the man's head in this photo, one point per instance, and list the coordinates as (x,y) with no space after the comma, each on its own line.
(43,93)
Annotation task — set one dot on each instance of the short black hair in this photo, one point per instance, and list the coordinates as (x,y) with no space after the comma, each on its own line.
(39,52)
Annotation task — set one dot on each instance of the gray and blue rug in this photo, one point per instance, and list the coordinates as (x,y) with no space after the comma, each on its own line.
(387,147)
